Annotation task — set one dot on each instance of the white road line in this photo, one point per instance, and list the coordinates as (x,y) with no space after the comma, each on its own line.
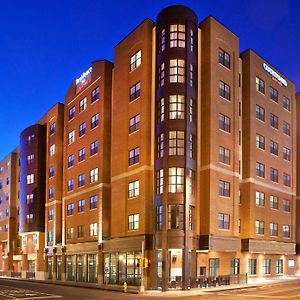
(40,297)
(254,296)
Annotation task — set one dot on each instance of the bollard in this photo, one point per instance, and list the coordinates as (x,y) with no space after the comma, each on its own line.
(125,287)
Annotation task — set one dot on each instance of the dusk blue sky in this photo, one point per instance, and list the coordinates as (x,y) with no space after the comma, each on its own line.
(45,44)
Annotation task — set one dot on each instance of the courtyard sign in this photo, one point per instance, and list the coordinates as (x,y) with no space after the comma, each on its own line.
(275,76)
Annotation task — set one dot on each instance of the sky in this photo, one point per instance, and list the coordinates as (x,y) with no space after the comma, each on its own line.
(46,44)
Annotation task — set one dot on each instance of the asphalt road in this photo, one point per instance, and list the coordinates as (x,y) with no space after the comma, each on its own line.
(21,290)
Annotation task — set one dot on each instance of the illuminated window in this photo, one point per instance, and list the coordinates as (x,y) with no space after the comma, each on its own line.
(177,70)
(160,182)
(71,137)
(224,188)
(279,266)
(260,141)
(193,74)
(286,231)
(30,179)
(260,198)
(161,110)
(51,214)
(224,123)
(160,145)
(82,104)
(29,219)
(176,107)
(162,40)
(224,90)
(134,189)
(177,36)
(273,229)
(259,227)
(134,123)
(176,180)
(94,121)
(273,94)
(192,40)
(192,146)
(135,91)
(82,129)
(273,202)
(260,85)
(52,150)
(291,263)
(29,198)
(191,111)
(30,159)
(93,229)
(267,266)
(175,216)
(133,222)
(135,60)
(159,218)
(224,155)
(30,139)
(223,221)
(94,175)
(224,58)
(134,156)
(161,75)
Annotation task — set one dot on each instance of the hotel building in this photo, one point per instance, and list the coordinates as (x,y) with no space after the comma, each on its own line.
(174,163)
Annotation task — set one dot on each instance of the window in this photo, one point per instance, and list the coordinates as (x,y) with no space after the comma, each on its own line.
(273,94)
(135,91)
(160,182)
(267,266)
(279,266)
(176,142)
(134,189)
(260,141)
(162,40)
(286,103)
(51,171)
(214,267)
(133,222)
(161,110)
(159,218)
(224,188)
(70,160)
(177,36)
(286,153)
(81,154)
(260,113)
(71,137)
(274,121)
(286,231)
(223,221)
(70,185)
(94,121)
(49,237)
(81,204)
(273,229)
(175,216)
(30,159)
(94,175)
(6,228)
(70,209)
(286,179)
(95,94)
(224,123)
(273,148)
(94,148)
(239,225)
(161,75)
(80,231)
(192,40)
(82,129)
(30,139)
(29,198)
(224,90)
(29,219)
(260,170)
(286,205)
(70,233)
(193,76)
(259,227)
(176,180)
(224,58)
(81,180)
(72,113)
(191,111)
(82,104)
(51,192)
(260,85)
(177,70)
(224,155)
(51,214)
(273,202)
(286,128)
(274,175)
(160,145)
(7,180)
(191,217)
(135,60)
(134,123)
(52,128)
(93,201)
(52,150)
(134,156)
(260,198)
(176,107)
(191,146)
(7,212)
(30,179)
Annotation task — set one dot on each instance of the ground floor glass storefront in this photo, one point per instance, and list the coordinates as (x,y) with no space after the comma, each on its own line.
(120,267)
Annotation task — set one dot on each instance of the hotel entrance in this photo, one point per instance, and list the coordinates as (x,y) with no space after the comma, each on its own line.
(175,268)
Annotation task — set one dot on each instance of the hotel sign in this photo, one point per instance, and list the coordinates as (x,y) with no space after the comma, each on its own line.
(275,76)
(83,80)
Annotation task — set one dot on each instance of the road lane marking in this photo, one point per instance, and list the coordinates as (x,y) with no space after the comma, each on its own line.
(255,296)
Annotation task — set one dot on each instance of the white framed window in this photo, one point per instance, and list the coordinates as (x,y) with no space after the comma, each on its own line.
(93,229)
(176,180)
(177,71)
(71,137)
(82,104)
(134,189)
(177,36)
(133,222)
(52,150)
(135,60)
(94,175)
(30,179)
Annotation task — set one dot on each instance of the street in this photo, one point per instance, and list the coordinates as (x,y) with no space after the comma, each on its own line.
(14,289)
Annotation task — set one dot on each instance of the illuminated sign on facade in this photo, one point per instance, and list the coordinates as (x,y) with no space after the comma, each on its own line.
(84,79)
(275,76)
